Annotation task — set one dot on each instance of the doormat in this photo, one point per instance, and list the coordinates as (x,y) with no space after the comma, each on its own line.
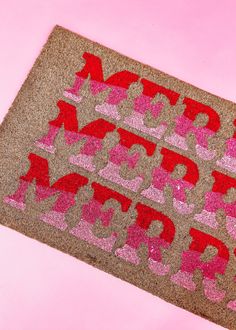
(128,169)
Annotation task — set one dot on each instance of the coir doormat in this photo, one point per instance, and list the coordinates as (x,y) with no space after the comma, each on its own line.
(128,169)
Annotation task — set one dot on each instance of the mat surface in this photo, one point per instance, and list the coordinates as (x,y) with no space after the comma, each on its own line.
(128,169)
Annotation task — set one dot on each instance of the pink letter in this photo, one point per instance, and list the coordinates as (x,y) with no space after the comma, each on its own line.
(191,260)
(214,200)
(92,211)
(67,187)
(120,153)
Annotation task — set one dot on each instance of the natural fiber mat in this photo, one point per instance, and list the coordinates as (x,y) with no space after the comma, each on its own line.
(128,169)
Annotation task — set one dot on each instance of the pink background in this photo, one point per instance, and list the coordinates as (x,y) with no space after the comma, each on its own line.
(40,287)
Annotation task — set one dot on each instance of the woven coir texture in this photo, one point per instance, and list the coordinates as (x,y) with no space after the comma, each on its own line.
(128,169)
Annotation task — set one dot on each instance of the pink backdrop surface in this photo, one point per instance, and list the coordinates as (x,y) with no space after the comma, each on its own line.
(40,287)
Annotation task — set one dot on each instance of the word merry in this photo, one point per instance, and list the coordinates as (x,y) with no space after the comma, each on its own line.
(66,188)
(118,85)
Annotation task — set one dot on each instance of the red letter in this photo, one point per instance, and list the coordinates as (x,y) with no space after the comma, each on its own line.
(162,177)
(67,187)
(137,235)
(119,82)
(185,125)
